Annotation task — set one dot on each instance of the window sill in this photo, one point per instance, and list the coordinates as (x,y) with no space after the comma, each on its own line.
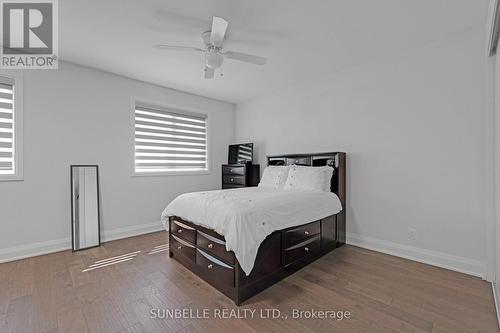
(11,178)
(171,173)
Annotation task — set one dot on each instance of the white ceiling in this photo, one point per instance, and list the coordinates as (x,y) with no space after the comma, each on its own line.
(302,39)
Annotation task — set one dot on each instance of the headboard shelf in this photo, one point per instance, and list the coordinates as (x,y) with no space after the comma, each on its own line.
(315,159)
(337,160)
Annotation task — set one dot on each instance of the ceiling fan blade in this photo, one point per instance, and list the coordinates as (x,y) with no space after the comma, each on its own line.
(209,73)
(253,59)
(178,48)
(219,27)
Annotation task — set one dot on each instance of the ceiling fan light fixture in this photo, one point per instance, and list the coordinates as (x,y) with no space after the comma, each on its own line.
(214,51)
(213,59)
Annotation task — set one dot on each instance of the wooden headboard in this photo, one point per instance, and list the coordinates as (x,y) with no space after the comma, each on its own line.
(337,160)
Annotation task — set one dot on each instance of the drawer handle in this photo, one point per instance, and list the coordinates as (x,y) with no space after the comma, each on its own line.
(214,260)
(306,232)
(179,231)
(179,247)
(182,225)
(306,249)
(210,245)
(232,179)
(213,239)
(232,170)
(210,266)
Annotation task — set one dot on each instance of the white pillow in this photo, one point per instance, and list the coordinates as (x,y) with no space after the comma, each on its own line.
(304,178)
(274,176)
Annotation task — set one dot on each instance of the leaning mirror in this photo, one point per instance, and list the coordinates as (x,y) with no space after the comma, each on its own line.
(85,223)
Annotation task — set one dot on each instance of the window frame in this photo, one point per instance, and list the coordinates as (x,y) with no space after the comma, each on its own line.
(181,109)
(18,125)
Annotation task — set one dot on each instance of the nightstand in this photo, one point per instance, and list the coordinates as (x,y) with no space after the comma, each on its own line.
(240,175)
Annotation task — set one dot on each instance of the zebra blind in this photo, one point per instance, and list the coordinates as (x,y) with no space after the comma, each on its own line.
(7,127)
(169,140)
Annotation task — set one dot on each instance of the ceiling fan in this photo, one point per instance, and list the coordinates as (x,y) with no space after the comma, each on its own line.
(214,51)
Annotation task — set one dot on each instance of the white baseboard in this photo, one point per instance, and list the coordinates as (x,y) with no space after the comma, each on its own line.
(455,263)
(56,245)
(496,296)
(434,258)
(34,249)
(131,231)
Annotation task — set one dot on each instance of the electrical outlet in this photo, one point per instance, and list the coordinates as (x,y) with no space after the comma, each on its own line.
(412,233)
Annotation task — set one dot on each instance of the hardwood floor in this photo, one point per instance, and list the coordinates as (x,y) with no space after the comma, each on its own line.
(382,293)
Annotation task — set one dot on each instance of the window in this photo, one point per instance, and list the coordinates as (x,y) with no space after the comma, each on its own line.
(10,129)
(169,141)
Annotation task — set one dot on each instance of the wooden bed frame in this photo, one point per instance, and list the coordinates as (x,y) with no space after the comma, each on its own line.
(282,253)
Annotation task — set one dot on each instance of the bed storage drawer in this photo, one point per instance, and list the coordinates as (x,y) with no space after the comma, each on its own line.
(184,248)
(301,250)
(215,247)
(183,231)
(233,170)
(214,269)
(297,235)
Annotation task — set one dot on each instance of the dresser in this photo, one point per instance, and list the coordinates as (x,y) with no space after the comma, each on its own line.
(240,175)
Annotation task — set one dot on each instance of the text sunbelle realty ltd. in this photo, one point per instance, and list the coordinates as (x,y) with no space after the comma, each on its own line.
(268,313)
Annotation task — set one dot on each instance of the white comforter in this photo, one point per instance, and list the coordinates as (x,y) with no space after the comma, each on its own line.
(246,216)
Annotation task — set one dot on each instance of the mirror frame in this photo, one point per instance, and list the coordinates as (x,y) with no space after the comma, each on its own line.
(98,206)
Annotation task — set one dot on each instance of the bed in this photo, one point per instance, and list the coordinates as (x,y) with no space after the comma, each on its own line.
(242,241)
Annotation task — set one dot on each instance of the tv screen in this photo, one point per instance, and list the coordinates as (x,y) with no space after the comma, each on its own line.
(241,153)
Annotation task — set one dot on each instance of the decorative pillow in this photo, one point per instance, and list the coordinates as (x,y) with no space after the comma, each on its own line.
(304,178)
(274,176)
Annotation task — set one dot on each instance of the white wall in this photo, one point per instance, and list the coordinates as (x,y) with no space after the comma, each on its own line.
(415,128)
(78,115)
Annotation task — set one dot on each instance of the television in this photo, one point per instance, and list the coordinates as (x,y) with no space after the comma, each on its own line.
(240,153)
